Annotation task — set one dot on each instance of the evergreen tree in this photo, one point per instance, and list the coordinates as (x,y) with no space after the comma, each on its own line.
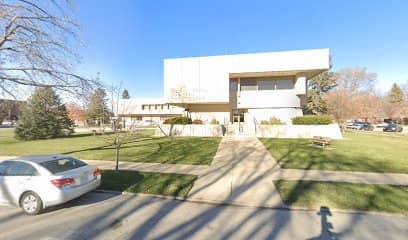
(395,102)
(43,117)
(396,95)
(318,87)
(97,110)
(125,94)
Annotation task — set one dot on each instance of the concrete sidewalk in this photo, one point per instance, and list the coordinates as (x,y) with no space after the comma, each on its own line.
(241,173)
(151,167)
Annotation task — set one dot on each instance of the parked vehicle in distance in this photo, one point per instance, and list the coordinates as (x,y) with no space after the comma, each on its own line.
(38,182)
(360,126)
(354,125)
(392,127)
(367,127)
(381,125)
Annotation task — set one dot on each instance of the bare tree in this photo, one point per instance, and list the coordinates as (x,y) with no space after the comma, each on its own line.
(350,98)
(37,46)
(182,96)
(120,136)
(10,109)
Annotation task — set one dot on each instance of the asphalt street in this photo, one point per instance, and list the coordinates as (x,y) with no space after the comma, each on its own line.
(110,216)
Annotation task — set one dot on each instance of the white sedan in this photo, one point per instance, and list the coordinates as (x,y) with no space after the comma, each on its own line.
(38,182)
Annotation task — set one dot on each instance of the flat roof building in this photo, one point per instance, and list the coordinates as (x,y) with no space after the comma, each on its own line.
(245,88)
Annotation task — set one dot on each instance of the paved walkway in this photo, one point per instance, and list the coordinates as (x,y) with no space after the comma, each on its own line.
(152,167)
(241,173)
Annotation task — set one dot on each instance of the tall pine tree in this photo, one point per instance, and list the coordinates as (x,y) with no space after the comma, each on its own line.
(43,117)
(97,111)
(125,94)
(395,102)
(396,95)
(318,87)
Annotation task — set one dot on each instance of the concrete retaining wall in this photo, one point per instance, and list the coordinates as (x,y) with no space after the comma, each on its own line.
(299,131)
(267,131)
(190,130)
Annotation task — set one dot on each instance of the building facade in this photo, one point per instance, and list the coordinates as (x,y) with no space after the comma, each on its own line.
(145,111)
(239,88)
(244,87)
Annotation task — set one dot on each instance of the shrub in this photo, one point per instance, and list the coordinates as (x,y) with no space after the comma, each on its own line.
(178,120)
(312,120)
(272,121)
(214,121)
(197,121)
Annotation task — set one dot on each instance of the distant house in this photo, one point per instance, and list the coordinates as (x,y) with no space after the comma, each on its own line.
(146,111)
(244,88)
(76,113)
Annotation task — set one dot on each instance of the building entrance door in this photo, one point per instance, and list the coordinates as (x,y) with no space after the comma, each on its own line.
(238,116)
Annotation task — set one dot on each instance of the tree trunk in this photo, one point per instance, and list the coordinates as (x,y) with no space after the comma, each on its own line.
(117,147)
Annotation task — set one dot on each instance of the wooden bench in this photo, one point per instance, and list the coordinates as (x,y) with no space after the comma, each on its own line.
(321,141)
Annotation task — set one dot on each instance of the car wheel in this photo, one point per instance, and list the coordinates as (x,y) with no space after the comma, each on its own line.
(31,203)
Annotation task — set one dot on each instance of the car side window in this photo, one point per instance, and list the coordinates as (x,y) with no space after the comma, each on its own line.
(3,168)
(20,169)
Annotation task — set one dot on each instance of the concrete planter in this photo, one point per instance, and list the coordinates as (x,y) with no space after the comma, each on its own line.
(190,130)
(299,131)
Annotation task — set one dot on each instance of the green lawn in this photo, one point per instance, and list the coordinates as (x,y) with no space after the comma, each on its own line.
(365,197)
(146,182)
(140,147)
(359,151)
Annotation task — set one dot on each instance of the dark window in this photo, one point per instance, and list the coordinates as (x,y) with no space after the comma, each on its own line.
(143,107)
(233,86)
(275,84)
(3,167)
(20,169)
(62,165)
(249,85)
(284,84)
(266,85)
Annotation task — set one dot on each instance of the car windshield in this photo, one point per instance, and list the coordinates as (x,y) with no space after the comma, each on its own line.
(62,165)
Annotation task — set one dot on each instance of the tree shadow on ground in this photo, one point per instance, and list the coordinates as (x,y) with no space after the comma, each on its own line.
(104,147)
(300,155)
(190,225)
(86,199)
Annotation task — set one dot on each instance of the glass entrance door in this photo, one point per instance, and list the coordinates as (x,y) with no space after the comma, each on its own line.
(238,116)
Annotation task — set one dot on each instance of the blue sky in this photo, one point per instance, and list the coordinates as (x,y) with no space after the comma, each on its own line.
(127,40)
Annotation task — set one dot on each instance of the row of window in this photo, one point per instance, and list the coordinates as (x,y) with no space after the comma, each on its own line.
(155,106)
(9,168)
(16,168)
(264,84)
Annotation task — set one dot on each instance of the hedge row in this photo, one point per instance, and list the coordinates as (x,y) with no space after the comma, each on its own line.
(272,121)
(312,120)
(178,120)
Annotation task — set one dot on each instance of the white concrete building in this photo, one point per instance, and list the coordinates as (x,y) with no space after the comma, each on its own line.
(240,88)
(243,87)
